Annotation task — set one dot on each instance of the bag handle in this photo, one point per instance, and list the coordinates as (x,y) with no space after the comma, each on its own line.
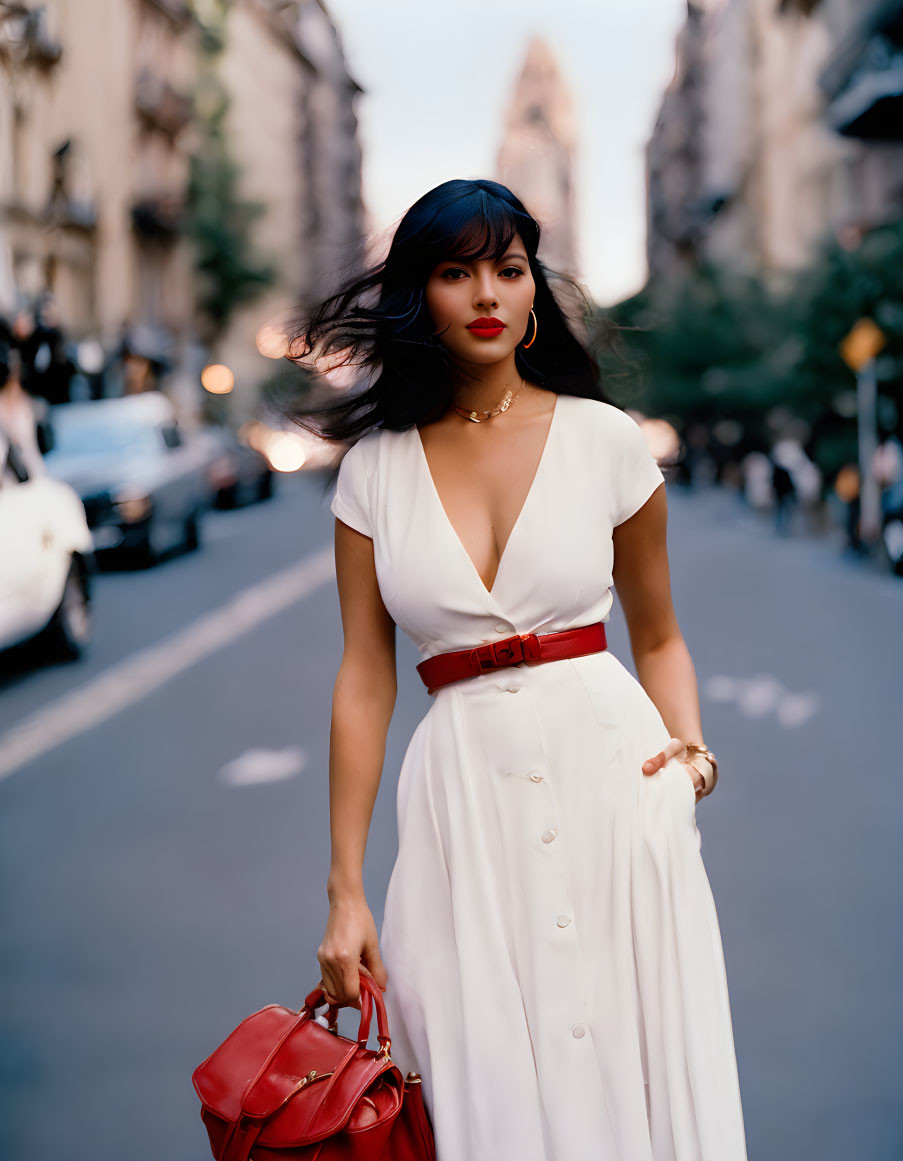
(318,997)
(370,993)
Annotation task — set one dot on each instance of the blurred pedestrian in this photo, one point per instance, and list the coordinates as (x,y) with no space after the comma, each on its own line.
(887,466)
(48,367)
(846,489)
(696,463)
(139,362)
(784,497)
(805,482)
(24,419)
(758,488)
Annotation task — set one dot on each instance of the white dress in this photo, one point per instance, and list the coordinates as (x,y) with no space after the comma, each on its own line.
(555,966)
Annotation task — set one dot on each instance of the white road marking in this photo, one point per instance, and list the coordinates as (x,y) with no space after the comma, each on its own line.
(256,766)
(797,708)
(760,695)
(764,694)
(135,677)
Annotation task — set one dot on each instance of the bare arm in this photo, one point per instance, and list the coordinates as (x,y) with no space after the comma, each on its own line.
(362,706)
(663,663)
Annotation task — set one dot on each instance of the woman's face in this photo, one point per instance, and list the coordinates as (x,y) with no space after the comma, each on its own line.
(460,293)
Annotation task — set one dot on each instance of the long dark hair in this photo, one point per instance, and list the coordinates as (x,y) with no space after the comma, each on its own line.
(393,335)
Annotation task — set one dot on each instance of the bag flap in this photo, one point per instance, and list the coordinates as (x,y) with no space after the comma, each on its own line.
(309,1058)
(221,1080)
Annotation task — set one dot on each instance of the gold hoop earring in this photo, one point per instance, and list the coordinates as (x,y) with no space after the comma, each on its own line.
(535,329)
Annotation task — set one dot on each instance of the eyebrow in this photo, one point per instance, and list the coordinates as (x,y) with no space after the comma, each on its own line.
(505,257)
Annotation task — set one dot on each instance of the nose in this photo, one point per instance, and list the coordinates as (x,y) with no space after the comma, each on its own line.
(484,289)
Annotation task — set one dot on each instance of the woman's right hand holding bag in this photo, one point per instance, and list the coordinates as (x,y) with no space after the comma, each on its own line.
(349,946)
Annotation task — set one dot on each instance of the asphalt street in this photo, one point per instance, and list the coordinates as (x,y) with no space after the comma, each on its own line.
(164,828)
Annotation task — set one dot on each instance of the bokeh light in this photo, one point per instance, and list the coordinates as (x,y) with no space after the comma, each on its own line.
(217,378)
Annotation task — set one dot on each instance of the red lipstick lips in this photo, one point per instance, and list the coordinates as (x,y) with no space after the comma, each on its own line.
(486,328)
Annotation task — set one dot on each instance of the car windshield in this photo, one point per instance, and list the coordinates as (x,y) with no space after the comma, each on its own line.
(97,439)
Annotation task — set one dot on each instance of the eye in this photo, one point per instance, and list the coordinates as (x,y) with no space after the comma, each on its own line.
(509,270)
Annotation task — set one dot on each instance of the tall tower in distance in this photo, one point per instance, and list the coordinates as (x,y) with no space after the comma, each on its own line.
(537,153)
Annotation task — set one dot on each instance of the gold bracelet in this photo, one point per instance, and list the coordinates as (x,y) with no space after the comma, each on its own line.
(693,748)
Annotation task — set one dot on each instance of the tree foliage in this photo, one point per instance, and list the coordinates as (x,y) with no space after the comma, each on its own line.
(710,344)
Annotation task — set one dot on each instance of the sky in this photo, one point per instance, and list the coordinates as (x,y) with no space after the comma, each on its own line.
(438,76)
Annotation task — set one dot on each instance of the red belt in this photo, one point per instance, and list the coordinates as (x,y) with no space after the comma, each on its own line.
(528,647)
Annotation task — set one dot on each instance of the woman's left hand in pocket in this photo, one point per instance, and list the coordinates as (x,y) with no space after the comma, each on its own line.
(675,748)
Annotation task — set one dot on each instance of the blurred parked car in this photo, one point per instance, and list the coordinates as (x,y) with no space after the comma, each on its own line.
(46,560)
(141,479)
(237,474)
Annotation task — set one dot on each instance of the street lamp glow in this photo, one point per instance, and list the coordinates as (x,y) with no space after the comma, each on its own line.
(217,379)
(271,341)
(661,438)
(286,451)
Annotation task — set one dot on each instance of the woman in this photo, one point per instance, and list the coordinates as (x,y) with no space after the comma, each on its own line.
(550,951)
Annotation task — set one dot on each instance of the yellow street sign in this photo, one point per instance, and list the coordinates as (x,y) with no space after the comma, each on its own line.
(865,340)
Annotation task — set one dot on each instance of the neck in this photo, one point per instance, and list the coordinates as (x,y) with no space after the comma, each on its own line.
(486,383)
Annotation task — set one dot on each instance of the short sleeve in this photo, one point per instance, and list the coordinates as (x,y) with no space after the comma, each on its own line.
(351,502)
(638,473)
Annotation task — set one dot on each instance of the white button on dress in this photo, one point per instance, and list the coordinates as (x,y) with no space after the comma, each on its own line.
(480,994)
(563,920)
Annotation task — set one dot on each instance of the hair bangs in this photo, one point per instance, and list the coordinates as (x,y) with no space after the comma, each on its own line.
(468,221)
(483,235)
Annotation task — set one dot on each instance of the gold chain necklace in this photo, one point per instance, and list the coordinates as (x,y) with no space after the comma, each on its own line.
(506,402)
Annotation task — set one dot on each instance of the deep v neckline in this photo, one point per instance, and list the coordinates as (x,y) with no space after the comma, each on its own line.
(543,456)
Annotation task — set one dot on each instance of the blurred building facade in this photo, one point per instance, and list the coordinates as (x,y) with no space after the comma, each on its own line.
(297,138)
(537,154)
(674,156)
(782,124)
(335,221)
(97,131)
(95,160)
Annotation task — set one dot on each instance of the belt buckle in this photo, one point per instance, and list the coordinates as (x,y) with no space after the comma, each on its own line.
(498,654)
(508,651)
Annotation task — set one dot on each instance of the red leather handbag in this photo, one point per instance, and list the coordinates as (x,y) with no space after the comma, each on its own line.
(282,1087)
